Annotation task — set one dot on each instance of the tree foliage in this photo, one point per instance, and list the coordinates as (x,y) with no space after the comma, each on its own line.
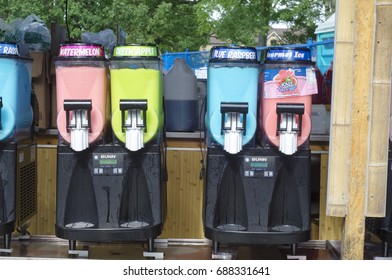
(302,17)
(237,21)
(170,24)
(175,25)
(246,21)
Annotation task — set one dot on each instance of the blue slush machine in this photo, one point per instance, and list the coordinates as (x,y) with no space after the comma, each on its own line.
(18,192)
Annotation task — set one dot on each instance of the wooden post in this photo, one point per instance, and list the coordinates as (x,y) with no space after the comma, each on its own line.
(354,231)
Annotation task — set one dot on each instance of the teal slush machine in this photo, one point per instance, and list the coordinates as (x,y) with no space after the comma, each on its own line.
(231,115)
(231,122)
(17,147)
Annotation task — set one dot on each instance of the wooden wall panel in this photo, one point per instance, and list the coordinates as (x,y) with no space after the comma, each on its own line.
(184,194)
(44,221)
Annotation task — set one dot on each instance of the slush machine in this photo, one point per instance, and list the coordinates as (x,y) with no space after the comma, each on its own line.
(18,181)
(83,201)
(257,188)
(103,193)
(137,123)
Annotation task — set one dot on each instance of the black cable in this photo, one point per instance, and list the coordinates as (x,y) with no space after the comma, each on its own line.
(166,175)
(203,168)
(66,20)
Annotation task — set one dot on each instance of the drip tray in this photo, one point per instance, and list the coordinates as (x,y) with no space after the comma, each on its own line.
(134,224)
(285,228)
(231,227)
(80,225)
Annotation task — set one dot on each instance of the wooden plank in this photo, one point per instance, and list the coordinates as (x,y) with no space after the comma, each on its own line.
(381,91)
(337,171)
(330,228)
(340,131)
(354,229)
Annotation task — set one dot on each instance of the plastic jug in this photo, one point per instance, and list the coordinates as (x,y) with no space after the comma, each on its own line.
(181,98)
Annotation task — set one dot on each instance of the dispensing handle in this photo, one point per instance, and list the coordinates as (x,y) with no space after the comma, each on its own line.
(1,106)
(77,105)
(291,109)
(236,108)
(133,106)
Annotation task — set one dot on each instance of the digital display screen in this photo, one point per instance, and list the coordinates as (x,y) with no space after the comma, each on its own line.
(108,161)
(259,164)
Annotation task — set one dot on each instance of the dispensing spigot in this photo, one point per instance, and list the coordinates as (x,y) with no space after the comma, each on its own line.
(133,122)
(233,125)
(289,125)
(78,123)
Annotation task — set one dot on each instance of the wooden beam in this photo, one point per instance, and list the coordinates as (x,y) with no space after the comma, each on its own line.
(354,231)
(342,88)
(380,108)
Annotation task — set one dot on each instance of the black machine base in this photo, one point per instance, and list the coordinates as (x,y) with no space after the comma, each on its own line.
(386,237)
(109,194)
(18,192)
(259,196)
(6,229)
(384,225)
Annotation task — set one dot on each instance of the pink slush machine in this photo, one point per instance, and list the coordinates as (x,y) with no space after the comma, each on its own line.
(287,83)
(18,183)
(82,85)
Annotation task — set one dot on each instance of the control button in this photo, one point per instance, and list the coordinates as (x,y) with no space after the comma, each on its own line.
(252,173)
(265,173)
(246,173)
(271,173)
(120,170)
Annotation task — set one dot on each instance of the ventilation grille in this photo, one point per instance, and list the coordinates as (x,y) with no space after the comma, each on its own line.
(27,198)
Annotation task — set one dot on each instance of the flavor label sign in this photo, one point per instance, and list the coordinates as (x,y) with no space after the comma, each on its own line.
(288,55)
(9,49)
(233,54)
(287,82)
(81,51)
(135,51)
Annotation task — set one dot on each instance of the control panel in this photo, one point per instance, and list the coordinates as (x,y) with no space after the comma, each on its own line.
(108,164)
(259,166)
